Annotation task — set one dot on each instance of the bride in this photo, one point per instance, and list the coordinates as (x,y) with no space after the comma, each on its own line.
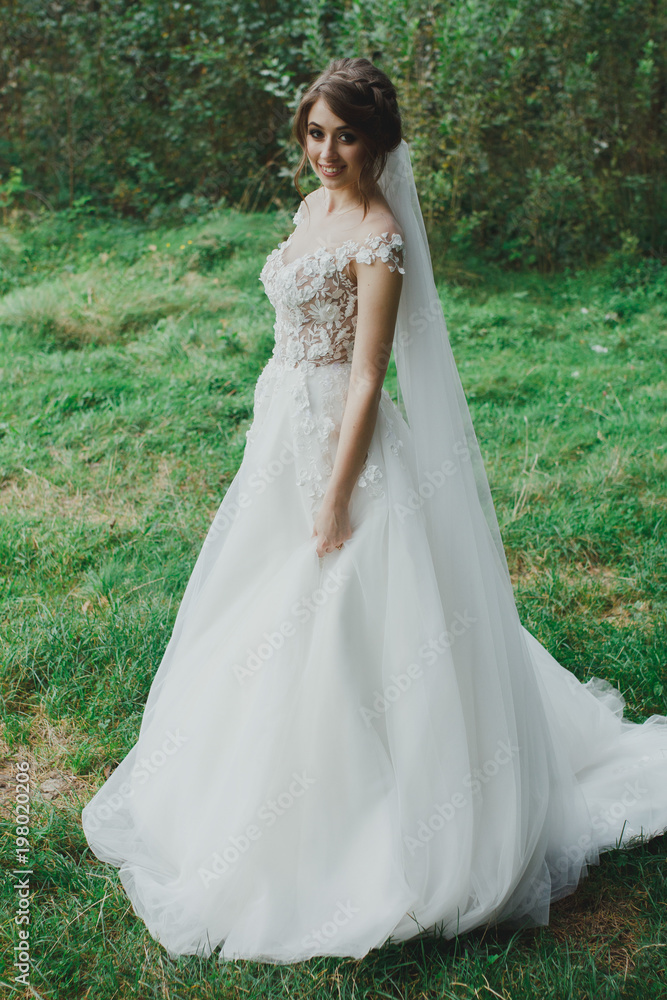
(351,738)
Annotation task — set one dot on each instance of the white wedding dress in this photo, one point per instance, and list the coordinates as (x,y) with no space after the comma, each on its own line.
(336,752)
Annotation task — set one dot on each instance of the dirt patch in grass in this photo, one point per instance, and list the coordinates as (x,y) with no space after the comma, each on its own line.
(48,755)
(607,921)
(37,495)
(619,593)
(113,504)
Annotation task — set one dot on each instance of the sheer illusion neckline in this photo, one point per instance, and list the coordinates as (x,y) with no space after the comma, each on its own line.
(303,256)
(318,250)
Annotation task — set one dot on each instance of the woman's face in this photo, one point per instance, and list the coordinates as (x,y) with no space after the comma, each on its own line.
(331,144)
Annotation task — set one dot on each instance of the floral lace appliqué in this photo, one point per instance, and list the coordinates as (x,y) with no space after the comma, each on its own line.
(315,298)
(315,301)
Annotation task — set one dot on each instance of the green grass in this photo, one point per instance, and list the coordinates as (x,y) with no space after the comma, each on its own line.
(127,383)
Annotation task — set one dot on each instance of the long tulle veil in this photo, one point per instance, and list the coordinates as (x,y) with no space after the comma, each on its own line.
(428,378)
(497,677)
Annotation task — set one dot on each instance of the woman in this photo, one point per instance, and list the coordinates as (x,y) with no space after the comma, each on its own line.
(351,738)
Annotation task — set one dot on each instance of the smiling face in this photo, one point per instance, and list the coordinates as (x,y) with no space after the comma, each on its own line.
(336,152)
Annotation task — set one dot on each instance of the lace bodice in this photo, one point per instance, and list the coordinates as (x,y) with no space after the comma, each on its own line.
(315,301)
(315,298)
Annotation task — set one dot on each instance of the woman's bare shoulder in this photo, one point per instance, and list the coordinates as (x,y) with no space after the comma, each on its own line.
(378,221)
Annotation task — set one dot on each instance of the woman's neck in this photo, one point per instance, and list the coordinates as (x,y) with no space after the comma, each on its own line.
(340,202)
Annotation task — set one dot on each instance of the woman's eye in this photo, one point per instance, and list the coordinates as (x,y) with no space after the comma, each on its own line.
(344,135)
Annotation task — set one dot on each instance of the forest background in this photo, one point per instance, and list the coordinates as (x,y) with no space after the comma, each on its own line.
(538,129)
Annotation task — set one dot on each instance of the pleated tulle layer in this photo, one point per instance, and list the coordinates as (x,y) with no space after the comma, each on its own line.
(337,752)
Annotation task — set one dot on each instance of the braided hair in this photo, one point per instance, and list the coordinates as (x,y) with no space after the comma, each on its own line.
(362,96)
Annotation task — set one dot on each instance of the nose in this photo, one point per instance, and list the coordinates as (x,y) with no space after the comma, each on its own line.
(329,151)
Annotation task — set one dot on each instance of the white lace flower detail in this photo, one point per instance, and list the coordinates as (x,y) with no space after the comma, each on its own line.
(309,267)
(294,350)
(369,479)
(327,313)
(318,349)
(307,423)
(395,442)
(301,396)
(364,256)
(389,250)
(326,426)
(371,475)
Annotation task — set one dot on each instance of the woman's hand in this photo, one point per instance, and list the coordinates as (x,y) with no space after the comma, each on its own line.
(331,525)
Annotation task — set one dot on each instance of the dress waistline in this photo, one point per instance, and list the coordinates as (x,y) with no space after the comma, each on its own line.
(307,366)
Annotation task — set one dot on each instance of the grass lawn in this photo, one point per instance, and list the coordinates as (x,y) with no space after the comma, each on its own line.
(128,359)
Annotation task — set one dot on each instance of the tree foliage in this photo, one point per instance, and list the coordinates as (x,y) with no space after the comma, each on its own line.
(539,129)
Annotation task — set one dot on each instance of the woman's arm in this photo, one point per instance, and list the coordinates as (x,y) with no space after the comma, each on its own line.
(378,293)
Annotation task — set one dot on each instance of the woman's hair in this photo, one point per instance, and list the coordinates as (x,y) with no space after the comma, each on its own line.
(364,98)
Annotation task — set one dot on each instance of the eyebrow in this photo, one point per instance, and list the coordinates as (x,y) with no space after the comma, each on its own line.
(338,127)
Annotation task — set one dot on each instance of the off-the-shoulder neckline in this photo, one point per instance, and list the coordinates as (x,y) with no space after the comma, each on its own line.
(332,250)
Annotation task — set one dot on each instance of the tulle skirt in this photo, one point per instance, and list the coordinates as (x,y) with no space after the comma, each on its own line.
(342,751)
